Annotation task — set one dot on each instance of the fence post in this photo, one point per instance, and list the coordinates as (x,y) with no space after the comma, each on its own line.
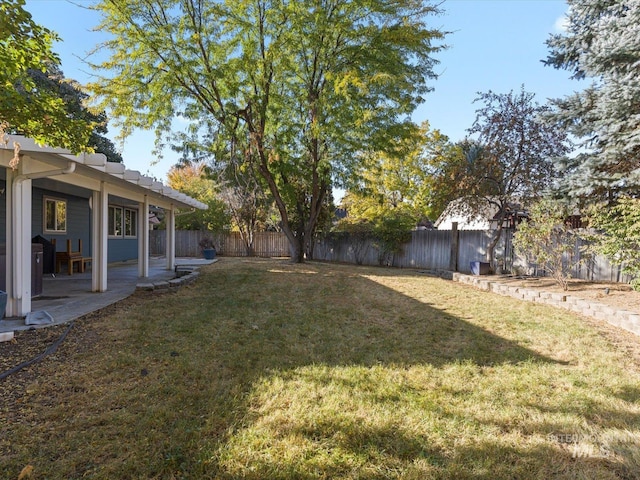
(455,237)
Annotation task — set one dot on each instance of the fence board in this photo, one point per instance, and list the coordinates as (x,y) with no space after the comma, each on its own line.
(428,249)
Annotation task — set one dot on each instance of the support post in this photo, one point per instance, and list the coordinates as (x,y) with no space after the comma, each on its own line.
(143,239)
(170,241)
(100,242)
(455,238)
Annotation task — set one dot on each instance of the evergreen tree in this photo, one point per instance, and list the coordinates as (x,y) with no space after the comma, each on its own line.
(602,43)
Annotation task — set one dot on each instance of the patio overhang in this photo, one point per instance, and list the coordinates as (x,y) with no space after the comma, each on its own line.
(98,180)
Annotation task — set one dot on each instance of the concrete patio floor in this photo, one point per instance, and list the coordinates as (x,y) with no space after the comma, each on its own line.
(67,297)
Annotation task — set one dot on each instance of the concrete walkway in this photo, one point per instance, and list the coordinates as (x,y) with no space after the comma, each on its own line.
(67,297)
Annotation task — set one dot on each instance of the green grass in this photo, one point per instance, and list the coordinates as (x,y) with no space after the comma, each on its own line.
(268,370)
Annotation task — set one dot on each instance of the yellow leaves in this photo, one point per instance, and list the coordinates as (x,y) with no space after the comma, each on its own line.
(26,473)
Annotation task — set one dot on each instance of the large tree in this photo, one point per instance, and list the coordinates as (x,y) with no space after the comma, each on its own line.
(509,164)
(401,178)
(36,112)
(52,79)
(309,83)
(601,43)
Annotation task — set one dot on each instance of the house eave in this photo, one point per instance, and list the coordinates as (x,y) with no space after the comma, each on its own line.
(127,183)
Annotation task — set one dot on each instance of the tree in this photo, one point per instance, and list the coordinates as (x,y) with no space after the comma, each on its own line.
(509,165)
(547,240)
(35,112)
(448,167)
(601,43)
(308,83)
(400,178)
(74,98)
(618,234)
(192,180)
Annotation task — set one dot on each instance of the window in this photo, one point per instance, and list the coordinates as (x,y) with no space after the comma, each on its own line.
(130,222)
(55,215)
(115,221)
(123,222)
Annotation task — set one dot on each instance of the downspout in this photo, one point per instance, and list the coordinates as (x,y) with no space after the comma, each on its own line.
(17,272)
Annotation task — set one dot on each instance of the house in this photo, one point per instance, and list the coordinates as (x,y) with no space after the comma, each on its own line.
(100,208)
(484,217)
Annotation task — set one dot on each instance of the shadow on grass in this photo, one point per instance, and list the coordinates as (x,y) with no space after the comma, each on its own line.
(270,370)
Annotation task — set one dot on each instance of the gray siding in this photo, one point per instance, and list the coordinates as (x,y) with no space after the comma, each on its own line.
(122,249)
(78,221)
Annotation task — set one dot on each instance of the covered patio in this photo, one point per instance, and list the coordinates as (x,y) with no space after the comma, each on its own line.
(60,196)
(67,297)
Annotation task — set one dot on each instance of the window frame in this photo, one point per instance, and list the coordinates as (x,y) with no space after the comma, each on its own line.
(45,224)
(132,223)
(117,224)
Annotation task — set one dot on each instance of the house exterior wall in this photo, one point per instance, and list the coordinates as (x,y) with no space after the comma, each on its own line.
(78,221)
(78,225)
(122,249)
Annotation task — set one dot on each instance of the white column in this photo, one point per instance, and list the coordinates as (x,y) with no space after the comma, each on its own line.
(100,243)
(143,239)
(9,238)
(170,241)
(19,247)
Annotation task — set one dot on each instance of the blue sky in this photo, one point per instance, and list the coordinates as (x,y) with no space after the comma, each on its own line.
(495,45)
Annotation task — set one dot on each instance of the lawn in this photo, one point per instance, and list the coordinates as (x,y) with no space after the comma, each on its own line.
(267,370)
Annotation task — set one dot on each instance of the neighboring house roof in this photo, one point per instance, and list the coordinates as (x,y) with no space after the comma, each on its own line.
(483,217)
(96,166)
(459,211)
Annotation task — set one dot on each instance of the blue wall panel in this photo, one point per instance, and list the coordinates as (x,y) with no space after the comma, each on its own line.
(78,221)
(121,249)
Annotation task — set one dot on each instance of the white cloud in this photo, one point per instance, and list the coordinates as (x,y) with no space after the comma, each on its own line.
(562,23)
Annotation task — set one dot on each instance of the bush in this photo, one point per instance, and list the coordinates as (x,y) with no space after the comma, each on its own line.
(546,240)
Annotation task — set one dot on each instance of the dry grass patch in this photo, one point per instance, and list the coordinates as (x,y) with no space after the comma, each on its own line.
(265,369)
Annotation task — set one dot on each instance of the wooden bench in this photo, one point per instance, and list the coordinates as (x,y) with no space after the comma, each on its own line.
(86,261)
(70,258)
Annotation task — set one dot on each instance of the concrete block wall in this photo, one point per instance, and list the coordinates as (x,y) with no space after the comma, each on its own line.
(627,320)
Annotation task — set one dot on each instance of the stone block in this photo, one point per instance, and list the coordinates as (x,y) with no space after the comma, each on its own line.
(161,285)
(6,336)
(146,287)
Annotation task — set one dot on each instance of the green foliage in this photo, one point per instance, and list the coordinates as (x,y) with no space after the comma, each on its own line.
(509,165)
(192,181)
(39,113)
(74,98)
(388,227)
(618,232)
(601,43)
(302,86)
(401,177)
(548,241)
(391,232)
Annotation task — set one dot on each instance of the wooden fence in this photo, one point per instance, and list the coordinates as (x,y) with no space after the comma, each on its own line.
(428,249)
(266,244)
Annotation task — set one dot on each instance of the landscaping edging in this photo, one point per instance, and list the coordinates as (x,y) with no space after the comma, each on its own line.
(627,320)
(183,277)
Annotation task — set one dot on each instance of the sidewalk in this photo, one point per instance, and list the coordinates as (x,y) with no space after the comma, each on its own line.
(67,297)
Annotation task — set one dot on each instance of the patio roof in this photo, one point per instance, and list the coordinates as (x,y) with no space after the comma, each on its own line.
(95,166)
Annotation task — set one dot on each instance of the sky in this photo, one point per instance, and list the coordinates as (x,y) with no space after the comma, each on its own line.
(495,45)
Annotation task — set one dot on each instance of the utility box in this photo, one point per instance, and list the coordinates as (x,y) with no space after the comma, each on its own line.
(48,254)
(36,268)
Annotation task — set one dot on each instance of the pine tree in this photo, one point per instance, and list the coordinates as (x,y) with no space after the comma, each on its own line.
(602,43)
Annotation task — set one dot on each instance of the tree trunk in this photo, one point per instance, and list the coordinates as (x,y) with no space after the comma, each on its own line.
(491,248)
